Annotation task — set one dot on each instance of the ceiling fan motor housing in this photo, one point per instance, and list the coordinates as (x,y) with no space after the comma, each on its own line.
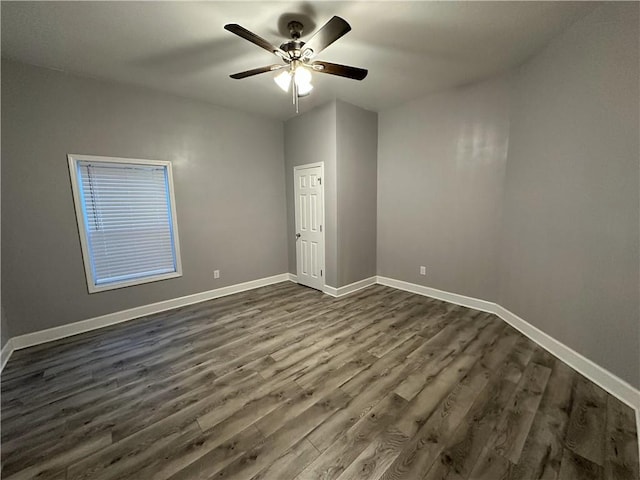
(294,47)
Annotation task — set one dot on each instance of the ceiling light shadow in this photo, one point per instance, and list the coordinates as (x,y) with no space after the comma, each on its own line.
(190,59)
(306,15)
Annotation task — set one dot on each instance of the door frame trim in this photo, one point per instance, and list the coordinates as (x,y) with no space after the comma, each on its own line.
(324,225)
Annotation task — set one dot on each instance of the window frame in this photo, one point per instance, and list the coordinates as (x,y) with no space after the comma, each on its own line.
(74,161)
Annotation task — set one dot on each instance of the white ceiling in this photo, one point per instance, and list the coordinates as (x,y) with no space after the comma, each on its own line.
(409,48)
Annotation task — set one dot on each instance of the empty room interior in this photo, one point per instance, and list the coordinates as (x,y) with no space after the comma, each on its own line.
(320,240)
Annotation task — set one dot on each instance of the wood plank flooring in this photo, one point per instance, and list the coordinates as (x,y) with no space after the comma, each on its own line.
(285,383)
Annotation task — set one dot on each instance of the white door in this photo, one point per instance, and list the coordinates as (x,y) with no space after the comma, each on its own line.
(309,205)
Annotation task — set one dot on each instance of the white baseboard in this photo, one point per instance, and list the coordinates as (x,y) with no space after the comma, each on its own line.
(598,375)
(605,379)
(468,302)
(340,291)
(5,354)
(352,287)
(329,290)
(42,336)
(594,372)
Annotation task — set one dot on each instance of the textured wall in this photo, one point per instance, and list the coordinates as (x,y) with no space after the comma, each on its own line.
(357,144)
(5,334)
(552,233)
(228,174)
(344,137)
(441,166)
(311,138)
(570,246)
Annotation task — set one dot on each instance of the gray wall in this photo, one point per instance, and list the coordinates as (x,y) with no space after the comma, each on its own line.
(441,167)
(5,334)
(344,137)
(311,138)
(570,246)
(563,254)
(230,192)
(357,144)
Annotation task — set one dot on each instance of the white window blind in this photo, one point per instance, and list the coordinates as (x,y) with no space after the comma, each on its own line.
(128,222)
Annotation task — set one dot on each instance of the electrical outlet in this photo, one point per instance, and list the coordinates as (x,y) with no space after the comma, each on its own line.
(216,274)
(423,270)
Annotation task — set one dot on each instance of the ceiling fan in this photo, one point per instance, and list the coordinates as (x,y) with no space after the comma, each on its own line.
(298,56)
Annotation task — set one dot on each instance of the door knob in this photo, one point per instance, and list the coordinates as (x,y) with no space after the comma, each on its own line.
(297,236)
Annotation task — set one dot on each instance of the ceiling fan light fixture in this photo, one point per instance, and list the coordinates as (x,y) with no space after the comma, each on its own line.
(283,80)
(298,67)
(304,89)
(302,76)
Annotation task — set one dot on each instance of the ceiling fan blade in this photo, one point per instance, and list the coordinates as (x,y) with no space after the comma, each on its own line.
(354,73)
(256,71)
(255,39)
(329,33)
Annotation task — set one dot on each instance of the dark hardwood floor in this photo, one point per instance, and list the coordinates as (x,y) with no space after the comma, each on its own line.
(284,382)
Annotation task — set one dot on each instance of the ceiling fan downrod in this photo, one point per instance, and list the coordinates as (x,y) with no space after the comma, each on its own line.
(295,29)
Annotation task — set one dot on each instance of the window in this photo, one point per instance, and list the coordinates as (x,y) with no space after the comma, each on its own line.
(126,219)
